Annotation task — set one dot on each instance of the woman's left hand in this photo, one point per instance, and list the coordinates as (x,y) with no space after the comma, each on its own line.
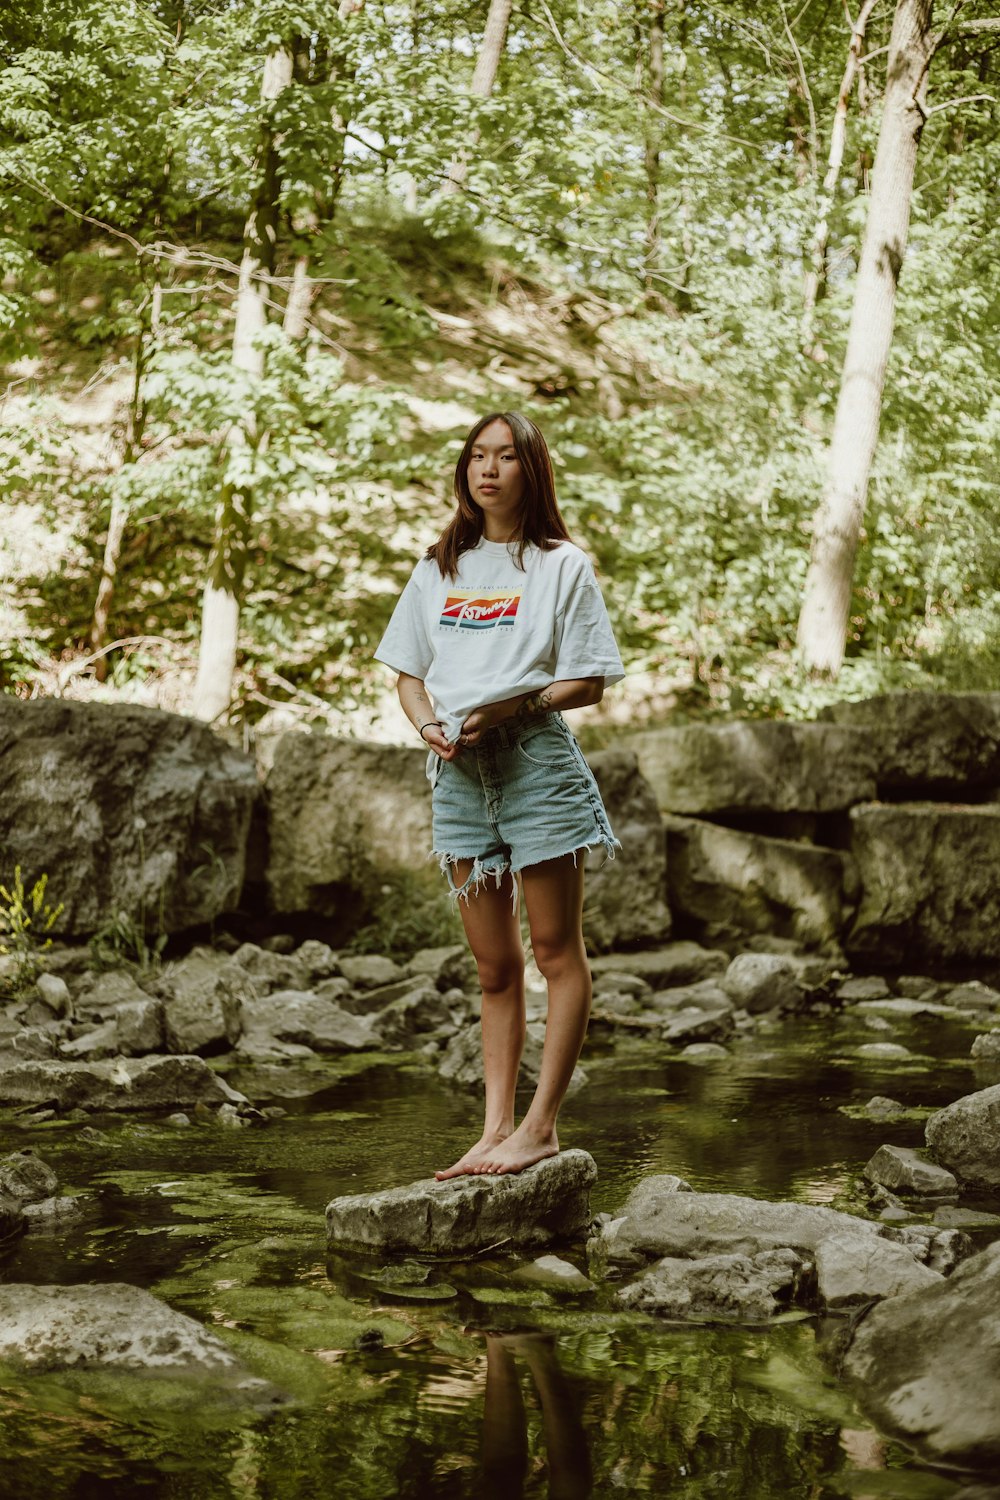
(481,719)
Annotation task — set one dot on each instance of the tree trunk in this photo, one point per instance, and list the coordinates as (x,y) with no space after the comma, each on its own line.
(483,79)
(826,604)
(221,603)
(816,274)
(654,94)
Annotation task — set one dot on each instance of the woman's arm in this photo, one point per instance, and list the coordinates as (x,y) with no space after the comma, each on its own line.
(420,711)
(574,692)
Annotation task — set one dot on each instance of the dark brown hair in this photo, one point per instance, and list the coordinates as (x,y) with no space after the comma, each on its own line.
(540,521)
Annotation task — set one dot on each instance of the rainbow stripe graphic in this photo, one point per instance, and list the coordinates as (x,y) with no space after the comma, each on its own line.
(468,610)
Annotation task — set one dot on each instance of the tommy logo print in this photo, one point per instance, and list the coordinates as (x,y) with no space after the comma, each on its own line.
(467,610)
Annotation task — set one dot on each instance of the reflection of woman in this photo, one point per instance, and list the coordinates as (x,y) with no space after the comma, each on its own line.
(505,1426)
(501,626)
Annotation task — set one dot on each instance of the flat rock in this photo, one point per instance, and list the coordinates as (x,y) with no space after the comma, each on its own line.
(972,996)
(98,1041)
(703,1053)
(547,1202)
(450,967)
(269,971)
(850,1270)
(756,766)
(139,1027)
(987,1045)
(204,993)
(108,1326)
(863,987)
(122,1084)
(965,1137)
(717,1288)
(368,971)
(304,1020)
(756,884)
(900,1005)
(659,1220)
(106,993)
(556,1274)
(903,1170)
(927,1366)
(879,1107)
(674,964)
(884,1051)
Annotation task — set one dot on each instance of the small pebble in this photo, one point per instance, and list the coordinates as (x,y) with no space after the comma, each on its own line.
(179,1120)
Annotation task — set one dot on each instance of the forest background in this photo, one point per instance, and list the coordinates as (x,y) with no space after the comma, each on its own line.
(263,264)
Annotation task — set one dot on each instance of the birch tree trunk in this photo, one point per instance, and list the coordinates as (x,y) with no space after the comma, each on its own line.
(816,274)
(822,632)
(483,79)
(220,614)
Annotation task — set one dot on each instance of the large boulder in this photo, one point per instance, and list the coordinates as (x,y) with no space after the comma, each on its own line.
(928,742)
(119,1084)
(927,1365)
(109,1326)
(753,766)
(624,900)
(26,1178)
(204,993)
(662,968)
(282,1024)
(340,815)
(850,1271)
(930,881)
(547,1202)
(126,809)
(965,1137)
(758,884)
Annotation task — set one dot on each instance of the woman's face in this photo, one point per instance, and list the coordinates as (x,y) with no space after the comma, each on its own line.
(495,477)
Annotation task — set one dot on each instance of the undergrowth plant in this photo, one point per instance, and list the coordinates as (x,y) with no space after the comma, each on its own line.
(25,919)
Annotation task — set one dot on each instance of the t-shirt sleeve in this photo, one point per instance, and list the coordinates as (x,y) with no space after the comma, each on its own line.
(584,641)
(406,646)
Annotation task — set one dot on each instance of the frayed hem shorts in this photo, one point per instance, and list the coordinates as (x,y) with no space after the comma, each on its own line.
(524,794)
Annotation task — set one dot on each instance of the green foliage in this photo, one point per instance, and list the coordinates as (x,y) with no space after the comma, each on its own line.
(123,942)
(689,429)
(25,920)
(410,912)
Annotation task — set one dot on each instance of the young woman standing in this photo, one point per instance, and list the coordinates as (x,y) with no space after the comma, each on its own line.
(500,627)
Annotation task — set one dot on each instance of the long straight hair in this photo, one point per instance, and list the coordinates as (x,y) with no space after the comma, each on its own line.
(540,522)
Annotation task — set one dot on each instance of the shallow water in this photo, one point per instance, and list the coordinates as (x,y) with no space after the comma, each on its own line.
(465,1384)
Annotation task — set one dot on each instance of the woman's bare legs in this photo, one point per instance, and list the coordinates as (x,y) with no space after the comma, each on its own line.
(494,935)
(553,895)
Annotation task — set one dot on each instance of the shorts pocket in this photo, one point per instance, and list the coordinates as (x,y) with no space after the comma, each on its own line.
(549,748)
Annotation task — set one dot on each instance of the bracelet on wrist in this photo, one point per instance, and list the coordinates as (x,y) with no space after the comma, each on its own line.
(428,725)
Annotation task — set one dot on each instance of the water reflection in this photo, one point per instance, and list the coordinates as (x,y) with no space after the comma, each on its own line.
(505,1422)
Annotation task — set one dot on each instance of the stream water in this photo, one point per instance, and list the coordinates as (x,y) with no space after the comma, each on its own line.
(464,1383)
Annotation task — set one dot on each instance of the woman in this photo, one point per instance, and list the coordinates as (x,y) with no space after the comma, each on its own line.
(500,627)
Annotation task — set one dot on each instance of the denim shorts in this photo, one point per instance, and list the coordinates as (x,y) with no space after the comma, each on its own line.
(524,794)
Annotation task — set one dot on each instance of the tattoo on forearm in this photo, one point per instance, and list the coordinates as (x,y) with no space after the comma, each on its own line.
(538,703)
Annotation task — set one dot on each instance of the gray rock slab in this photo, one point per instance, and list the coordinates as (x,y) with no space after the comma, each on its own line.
(945,741)
(107,1326)
(545,1203)
(987,1045)
(400,1023)
(756,766)
(134,1083)
(862,987)
(96,1042)
(757,884)
(674,964)
(852,1269)
(101,997)
(930,881)
(926,1366)
(305,1020)
(625,897)
(448,967)
(906,1008)
(369,971)
(658,1220)
(318,959)
(972,996)
(462,1059)
(130,800)
(271,971)
(704,1053)
(903,1170)
(717,1288)
(140,1027)
(965,1137)
(884,1051)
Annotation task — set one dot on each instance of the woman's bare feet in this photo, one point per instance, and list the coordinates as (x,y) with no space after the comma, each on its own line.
(470,1162)
(522,1149)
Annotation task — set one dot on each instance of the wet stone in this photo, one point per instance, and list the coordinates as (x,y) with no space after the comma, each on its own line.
(965,1137)
(675,964)
(367,971)
(880,1107)
(887,1051)
(545,1203)
(26,1178)
(848,1272)
(985,1045)
(762,982)
(972,996)
(869,987)
(703,1052)
(903,1170)
(718,1288)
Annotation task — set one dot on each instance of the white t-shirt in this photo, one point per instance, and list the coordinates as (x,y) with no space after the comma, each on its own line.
(495,631)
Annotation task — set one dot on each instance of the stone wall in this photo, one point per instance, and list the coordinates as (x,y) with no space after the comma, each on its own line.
(876,828)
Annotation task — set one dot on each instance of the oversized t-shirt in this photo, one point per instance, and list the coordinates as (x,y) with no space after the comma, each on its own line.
(494,630)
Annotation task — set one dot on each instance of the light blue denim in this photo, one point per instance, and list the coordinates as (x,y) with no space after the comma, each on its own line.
(524,794)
